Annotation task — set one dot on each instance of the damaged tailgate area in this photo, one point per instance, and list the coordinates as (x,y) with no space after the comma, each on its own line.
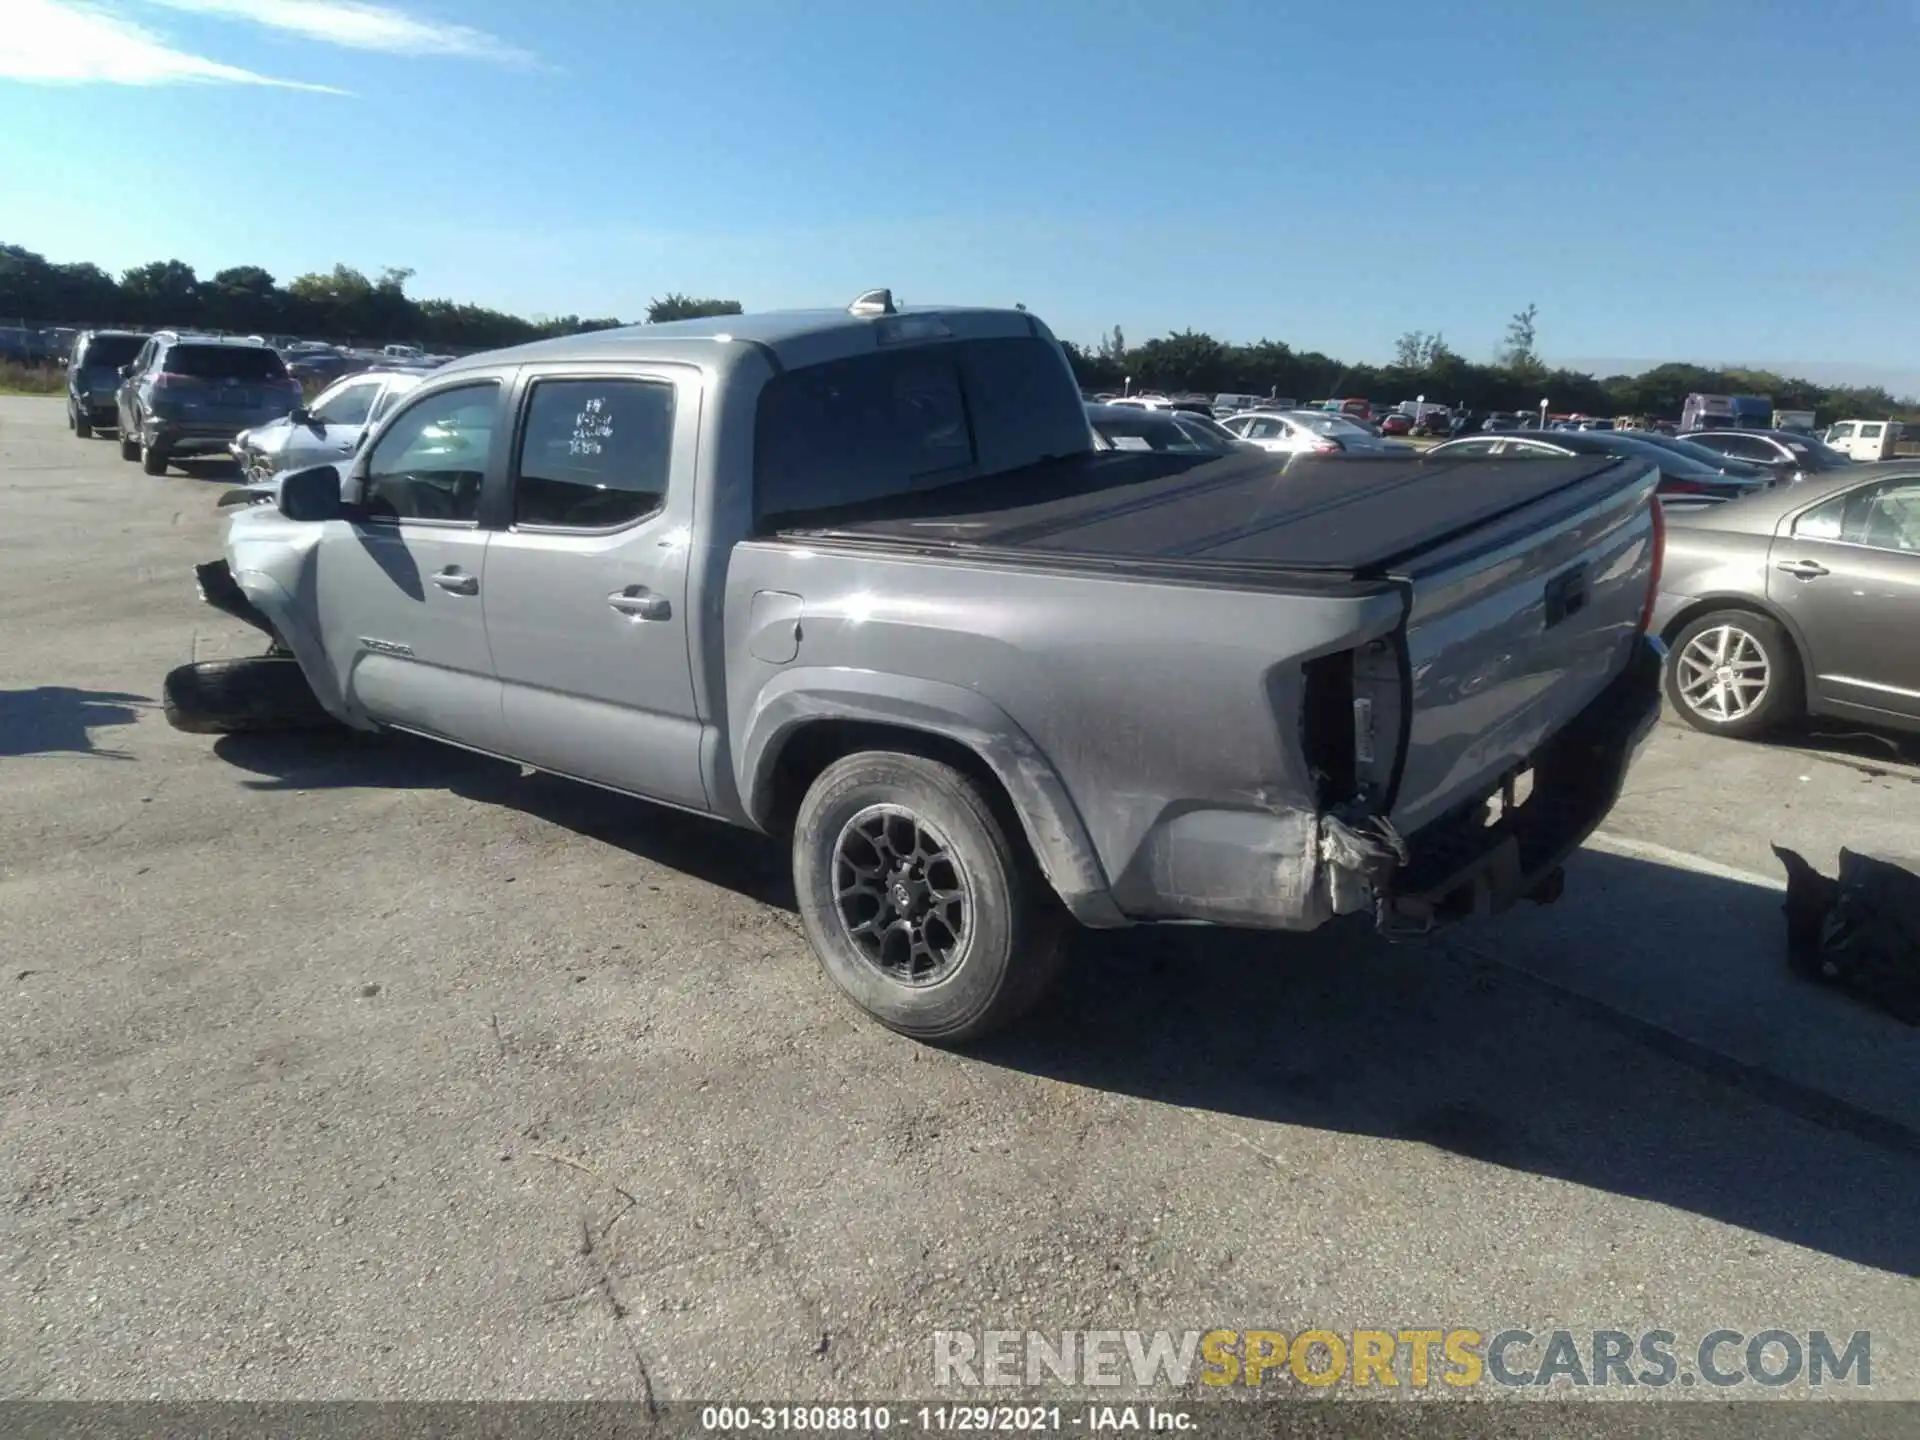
(1482,857)
(1297,869)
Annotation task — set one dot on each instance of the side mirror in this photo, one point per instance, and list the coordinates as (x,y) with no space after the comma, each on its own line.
(126,371)
(312,494)
(300,415)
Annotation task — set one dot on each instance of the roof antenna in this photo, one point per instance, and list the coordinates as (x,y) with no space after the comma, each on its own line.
(873,302)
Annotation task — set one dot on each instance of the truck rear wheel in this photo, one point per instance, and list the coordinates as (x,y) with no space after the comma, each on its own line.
(923,909)
(225,697)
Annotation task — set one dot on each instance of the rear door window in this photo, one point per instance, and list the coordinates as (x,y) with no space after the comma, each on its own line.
(1748,447)
(1887,517)
(594,454)
(396,391)
(348,405)
(1825,521)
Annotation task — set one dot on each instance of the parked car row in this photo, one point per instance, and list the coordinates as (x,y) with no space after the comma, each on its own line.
(173,394)
(1682,476)
(1319,432)
(1179,432)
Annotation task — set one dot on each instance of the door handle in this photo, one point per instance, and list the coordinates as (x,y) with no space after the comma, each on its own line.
(457,581)
(640,603)
(1804,569)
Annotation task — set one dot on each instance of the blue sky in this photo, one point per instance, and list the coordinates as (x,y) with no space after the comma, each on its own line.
(1719,180)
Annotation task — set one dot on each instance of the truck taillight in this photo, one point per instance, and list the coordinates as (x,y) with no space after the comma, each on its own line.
(1658,516)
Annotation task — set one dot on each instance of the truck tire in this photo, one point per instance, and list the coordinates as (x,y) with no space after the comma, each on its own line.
(922,908)
(82,426)
(1755,686)
(153,460)
(129,445)
(226,697)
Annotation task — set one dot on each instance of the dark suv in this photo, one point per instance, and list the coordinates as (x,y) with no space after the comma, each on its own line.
(93,377)
(192,394)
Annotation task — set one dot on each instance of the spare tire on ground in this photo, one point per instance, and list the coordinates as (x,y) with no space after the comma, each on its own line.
(224,697)
(1859,933)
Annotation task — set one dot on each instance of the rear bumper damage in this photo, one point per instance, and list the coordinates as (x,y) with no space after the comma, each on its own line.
(1297,869)
(1461,865)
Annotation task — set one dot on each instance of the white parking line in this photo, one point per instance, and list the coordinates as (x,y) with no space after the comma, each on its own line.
(1647,850)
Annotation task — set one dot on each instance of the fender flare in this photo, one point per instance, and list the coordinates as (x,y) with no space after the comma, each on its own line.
(1051,821)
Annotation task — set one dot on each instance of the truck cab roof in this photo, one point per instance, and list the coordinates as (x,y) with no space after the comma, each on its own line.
(788,339)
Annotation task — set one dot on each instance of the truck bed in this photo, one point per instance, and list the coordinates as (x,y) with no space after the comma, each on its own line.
(1348,518)
(1517,588)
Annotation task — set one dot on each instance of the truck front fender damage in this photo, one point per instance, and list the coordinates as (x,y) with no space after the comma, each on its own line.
(267,598)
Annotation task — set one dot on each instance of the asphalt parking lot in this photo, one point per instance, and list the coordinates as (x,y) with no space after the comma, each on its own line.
(346,1068)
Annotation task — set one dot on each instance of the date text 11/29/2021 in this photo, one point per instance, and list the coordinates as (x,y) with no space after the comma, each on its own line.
(943,1419)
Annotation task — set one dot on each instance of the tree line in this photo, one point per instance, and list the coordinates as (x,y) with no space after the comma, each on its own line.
(342,305)
(1424,364)
(346,305)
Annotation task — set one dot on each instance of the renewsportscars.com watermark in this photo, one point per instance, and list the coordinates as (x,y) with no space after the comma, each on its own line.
(1407,1358)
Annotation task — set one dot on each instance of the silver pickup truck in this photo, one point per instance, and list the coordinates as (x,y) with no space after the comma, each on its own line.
(861,579)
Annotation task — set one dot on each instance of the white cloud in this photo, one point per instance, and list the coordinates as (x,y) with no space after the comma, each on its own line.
(358,25)
(62,42)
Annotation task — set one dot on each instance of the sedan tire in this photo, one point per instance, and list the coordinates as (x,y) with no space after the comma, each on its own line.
(129,444)
(153,460)
(922,907)
(1734,672)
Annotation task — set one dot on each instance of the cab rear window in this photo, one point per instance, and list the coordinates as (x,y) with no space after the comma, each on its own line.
(896,422)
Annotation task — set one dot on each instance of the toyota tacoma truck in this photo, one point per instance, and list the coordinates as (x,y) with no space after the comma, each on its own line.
(862,580)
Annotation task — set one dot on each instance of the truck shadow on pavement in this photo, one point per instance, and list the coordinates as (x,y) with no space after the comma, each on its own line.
(719,854)
(58,719)
(1431,1044)
(1423,1043)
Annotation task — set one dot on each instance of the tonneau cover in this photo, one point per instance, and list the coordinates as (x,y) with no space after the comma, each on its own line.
(1353,515)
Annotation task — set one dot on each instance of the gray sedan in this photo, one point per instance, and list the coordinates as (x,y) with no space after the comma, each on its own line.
(1803,600)
(328,430)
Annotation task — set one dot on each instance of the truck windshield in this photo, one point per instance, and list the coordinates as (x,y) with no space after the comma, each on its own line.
(874,427)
